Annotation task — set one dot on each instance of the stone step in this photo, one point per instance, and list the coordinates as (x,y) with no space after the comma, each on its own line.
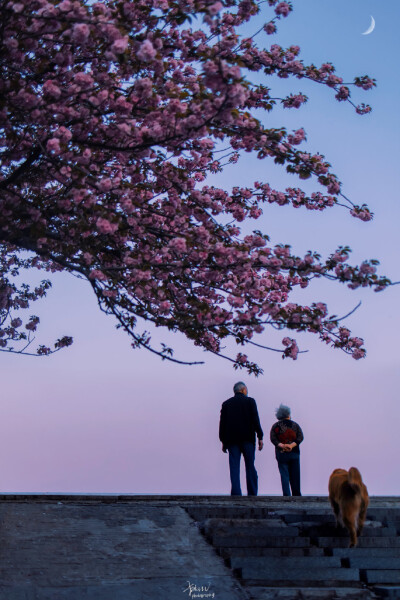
(202,513)
(382,512)
(235,541)
(305,514)
(381,531)
(371,576)
(310,593)
(366,552)
(296,552)
(251,532)
(307,518)
(391,592)
(277,552)
(325,517)
(314,530)
(363,542)
(333,531)
(325,576)
(265,563)
(246,525)
(373,562)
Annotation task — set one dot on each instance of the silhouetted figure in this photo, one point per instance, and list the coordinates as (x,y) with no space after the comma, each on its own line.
(239,423)
(286,435)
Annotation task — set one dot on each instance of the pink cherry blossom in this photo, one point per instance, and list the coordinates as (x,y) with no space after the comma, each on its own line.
(104,226)
(50,88)
(97,274)
(120,45)
(215,8)
(297,137)
(146,51)
(112,133)
(53,145)
(343,93)
(80,32)
(294,101)
(283,9)
(270,28)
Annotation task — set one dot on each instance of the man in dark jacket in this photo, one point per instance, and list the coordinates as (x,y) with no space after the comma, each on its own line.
(239,423)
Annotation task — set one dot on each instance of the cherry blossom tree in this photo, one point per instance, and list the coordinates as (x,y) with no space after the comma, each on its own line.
(112,116)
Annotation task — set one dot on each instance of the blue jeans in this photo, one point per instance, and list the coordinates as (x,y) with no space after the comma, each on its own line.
(289,469)
(235,451)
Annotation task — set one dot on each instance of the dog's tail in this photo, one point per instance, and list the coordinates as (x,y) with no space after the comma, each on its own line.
(354,479)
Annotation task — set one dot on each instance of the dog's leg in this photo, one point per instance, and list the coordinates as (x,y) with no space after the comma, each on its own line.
(350,526)
(336,510)
(361,518)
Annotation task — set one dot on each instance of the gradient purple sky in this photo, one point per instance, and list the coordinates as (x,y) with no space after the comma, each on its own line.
(100,417)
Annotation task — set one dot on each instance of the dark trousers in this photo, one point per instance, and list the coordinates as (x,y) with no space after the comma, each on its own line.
(289,469)
(235,451)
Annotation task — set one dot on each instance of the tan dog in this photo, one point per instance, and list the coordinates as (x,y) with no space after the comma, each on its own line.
(349,499)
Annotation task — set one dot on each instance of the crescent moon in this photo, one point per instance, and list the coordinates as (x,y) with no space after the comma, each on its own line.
(371,27)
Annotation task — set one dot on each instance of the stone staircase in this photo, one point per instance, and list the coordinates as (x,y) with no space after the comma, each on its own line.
(141,547)
(291,550)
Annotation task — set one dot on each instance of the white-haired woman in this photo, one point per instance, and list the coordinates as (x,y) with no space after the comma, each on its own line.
(286,435)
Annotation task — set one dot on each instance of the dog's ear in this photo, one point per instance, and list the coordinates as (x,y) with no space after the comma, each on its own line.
(354,475)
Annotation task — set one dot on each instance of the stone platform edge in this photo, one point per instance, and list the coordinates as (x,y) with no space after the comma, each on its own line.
(176,498)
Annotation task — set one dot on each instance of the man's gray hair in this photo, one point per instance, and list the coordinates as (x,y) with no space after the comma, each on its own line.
(239,386)
(283,412)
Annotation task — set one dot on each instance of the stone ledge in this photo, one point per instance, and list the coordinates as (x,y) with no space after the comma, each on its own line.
(179,498)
